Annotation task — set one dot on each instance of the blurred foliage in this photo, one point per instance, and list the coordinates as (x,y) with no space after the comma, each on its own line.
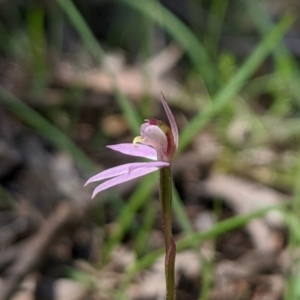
(240,68)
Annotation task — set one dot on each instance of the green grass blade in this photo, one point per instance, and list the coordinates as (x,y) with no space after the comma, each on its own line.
(5,40)
(44,127)
(141,239)
(262,21)
(181,33)
(135,202)
(132,117)
(214,27)
(82,28)
(196,238)
(220,100)
(180,213)
(286,65)
(94,47)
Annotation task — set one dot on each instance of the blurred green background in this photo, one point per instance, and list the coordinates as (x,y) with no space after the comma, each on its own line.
(78,75)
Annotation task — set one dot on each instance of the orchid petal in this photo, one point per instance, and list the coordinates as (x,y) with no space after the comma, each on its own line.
(171,120)
(135,150)
(123,178)
(157,164)
(112,172)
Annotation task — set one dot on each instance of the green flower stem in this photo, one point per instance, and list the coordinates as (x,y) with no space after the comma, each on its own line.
(166,206)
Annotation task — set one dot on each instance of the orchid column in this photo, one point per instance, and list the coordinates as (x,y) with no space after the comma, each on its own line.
(158,141)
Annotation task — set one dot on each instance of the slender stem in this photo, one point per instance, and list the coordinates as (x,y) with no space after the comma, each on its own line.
(166,203)
(166,206)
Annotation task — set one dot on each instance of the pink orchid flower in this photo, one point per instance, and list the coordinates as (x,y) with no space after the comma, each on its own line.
(158,142)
